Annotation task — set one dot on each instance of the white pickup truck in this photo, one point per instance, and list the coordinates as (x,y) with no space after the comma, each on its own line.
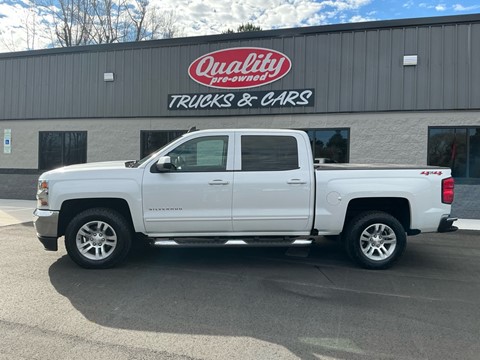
(239,187)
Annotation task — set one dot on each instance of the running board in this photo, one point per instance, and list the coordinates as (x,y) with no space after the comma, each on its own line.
(217,242)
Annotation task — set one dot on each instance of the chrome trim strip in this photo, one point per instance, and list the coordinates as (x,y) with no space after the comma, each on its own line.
(302,242)
(236,242)
(165,243)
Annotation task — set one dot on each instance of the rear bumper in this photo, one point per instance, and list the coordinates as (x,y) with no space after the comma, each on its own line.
(46,225)
(446,224)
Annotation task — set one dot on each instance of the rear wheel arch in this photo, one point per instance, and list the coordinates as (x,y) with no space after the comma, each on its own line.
(397,207)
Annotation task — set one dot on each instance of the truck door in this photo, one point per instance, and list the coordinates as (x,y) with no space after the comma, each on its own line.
(273,184)
(196,196)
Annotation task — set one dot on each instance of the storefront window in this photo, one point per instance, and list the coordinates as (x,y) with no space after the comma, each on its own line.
(330,145)
(150,141)
(457,148)
(61,148)
(474,152)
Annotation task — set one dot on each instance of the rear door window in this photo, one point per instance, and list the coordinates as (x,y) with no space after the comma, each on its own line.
(269,153)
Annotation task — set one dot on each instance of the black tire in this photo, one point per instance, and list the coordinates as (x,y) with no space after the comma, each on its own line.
(375,240)
(103,234)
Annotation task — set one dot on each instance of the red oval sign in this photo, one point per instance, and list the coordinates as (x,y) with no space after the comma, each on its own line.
(239,68)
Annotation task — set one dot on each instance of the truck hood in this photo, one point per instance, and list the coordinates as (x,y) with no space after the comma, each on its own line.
(80,168)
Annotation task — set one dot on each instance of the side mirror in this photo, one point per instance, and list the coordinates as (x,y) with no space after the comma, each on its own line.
(164,164)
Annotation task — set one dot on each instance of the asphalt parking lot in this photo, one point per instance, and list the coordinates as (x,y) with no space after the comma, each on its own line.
(241,303)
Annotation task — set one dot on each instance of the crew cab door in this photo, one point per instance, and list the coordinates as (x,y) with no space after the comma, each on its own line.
(273,189)
(196,195)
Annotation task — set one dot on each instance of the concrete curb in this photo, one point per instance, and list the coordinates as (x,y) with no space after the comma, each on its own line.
(467,224)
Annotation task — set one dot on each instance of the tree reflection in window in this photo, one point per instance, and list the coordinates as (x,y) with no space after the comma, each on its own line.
(61,148)
(457,148)
(330,145)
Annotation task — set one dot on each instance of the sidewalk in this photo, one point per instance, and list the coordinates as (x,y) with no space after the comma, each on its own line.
(467,224)
(20,211)
(16,211)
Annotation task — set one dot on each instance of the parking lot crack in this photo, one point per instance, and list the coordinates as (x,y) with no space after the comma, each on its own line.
(325,275)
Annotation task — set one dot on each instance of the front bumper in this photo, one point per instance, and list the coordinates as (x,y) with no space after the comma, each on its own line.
(46,226)
(446,224)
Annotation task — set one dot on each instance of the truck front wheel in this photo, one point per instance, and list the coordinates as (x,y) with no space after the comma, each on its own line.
(98,238)
(375,240)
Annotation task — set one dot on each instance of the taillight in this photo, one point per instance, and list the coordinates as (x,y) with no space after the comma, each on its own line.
(448,191)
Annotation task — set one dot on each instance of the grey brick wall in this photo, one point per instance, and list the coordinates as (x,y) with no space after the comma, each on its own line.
(467,202)
(18,186)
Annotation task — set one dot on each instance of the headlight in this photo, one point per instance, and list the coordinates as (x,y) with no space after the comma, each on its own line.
(42,193)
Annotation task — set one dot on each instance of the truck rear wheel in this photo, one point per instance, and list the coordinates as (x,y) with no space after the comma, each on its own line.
(375,240)
(98,238)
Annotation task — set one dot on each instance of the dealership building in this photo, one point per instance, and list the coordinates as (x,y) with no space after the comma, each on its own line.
(400,91)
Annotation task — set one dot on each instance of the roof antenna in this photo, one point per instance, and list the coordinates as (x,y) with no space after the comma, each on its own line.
(192,129)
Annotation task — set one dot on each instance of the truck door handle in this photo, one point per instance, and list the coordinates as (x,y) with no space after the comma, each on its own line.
(296,182)
(218,182)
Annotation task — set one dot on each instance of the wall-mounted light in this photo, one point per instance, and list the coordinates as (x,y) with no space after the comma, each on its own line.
(108,77)
(410,60)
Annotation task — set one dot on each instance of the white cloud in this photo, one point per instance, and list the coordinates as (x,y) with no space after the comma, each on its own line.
(268,14)
(459,7)
(441,7)
(359,18)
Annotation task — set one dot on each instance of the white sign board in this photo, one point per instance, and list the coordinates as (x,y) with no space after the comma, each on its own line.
(7,141)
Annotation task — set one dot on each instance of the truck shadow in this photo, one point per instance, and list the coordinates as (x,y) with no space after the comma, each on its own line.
(225,292)
(298,302)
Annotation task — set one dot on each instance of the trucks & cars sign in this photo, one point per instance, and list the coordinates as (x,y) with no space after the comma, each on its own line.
(242,100)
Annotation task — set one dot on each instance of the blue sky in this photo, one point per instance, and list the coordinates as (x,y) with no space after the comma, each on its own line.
(205,17)
(410,9)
